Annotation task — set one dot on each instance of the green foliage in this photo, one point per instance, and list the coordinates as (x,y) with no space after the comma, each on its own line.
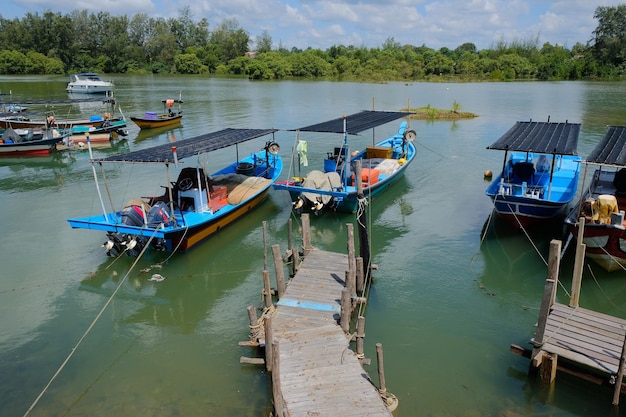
(188,64)
(52,43)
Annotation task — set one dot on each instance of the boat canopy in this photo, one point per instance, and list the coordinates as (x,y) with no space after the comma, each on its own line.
(355,123)
(189,147)
(611,150)
(540,137)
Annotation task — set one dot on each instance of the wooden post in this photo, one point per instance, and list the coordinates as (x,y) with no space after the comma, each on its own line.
(267,288)
(548,298)
(280,272)
(578,264)
(254,322)
(360,335)
(294,266)
(351,259)
(620,375)
(548,368)
(278,395)
(381,368)
(360,282)
(346,310)
(269,353)
(364,248)
(306,234)
(264,244)
(358,179)
(296,260)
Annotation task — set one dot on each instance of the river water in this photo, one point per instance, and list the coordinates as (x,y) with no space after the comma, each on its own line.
(446,304)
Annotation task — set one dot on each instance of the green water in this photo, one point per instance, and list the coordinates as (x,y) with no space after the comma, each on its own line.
(445,305)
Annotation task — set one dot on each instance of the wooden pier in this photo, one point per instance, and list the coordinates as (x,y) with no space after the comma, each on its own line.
(571,339)
(307,340)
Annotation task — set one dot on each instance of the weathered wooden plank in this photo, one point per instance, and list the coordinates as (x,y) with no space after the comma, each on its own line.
(585,332)
(586,337)
(319,373)
(579,358)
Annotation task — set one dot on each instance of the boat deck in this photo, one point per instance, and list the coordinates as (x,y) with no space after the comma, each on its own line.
(319,374)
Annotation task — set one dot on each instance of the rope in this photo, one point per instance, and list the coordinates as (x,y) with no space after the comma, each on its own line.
(69,356)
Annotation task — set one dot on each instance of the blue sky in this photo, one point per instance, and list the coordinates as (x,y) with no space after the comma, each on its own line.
(323,23)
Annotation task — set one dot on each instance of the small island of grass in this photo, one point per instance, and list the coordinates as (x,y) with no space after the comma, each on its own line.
(431,113)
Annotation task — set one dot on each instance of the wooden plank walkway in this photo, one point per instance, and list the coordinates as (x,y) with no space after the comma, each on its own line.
(585,337)
(319,375)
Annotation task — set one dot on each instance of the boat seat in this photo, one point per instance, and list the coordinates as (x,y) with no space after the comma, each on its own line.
(188,179)
(523,171)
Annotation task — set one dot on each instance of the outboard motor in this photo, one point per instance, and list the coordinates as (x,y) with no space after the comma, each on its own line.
(117,243)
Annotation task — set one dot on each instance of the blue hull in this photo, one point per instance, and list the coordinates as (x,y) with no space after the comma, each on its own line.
(538,194)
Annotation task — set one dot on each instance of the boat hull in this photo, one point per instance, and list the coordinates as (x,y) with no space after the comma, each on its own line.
(341,195)
(538,199)
(190,227)
(161,121)
(605,240)
(40,147)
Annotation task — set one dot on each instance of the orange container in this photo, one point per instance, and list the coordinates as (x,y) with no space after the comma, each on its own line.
(369,176)
(218,197)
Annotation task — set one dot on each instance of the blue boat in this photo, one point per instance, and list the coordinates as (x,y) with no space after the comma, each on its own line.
(335,187)
(193,207)
(539,176)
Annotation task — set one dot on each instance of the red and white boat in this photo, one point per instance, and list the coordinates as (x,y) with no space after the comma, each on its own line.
(603,202)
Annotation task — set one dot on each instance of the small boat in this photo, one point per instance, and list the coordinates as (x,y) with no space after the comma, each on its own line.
(193,207)
(602,203)
(28,142)
(106,120)
(539,176)
(169,117)
(88,83)
(334,188)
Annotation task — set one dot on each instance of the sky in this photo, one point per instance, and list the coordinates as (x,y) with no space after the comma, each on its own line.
(320,24)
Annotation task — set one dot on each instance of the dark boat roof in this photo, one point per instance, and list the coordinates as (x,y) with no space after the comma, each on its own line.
(611,150)
(540,137)
(190,147)
(355,123)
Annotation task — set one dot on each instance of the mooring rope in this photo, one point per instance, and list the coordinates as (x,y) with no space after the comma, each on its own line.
(93,323)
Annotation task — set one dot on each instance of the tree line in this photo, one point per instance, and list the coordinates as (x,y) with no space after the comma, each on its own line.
(53,43)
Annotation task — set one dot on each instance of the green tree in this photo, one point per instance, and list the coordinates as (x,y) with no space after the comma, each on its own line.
(609,46)
(230,40)
(263,42)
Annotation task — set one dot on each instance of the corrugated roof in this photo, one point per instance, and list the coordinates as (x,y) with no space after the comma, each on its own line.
(540,137)
(355,123)
(190,147)
(611,150)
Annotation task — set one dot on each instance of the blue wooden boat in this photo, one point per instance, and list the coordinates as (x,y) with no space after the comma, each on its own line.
(334,187)
(539,176)
(193,207)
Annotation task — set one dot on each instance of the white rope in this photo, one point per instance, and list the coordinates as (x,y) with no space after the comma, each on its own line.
(67,359)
